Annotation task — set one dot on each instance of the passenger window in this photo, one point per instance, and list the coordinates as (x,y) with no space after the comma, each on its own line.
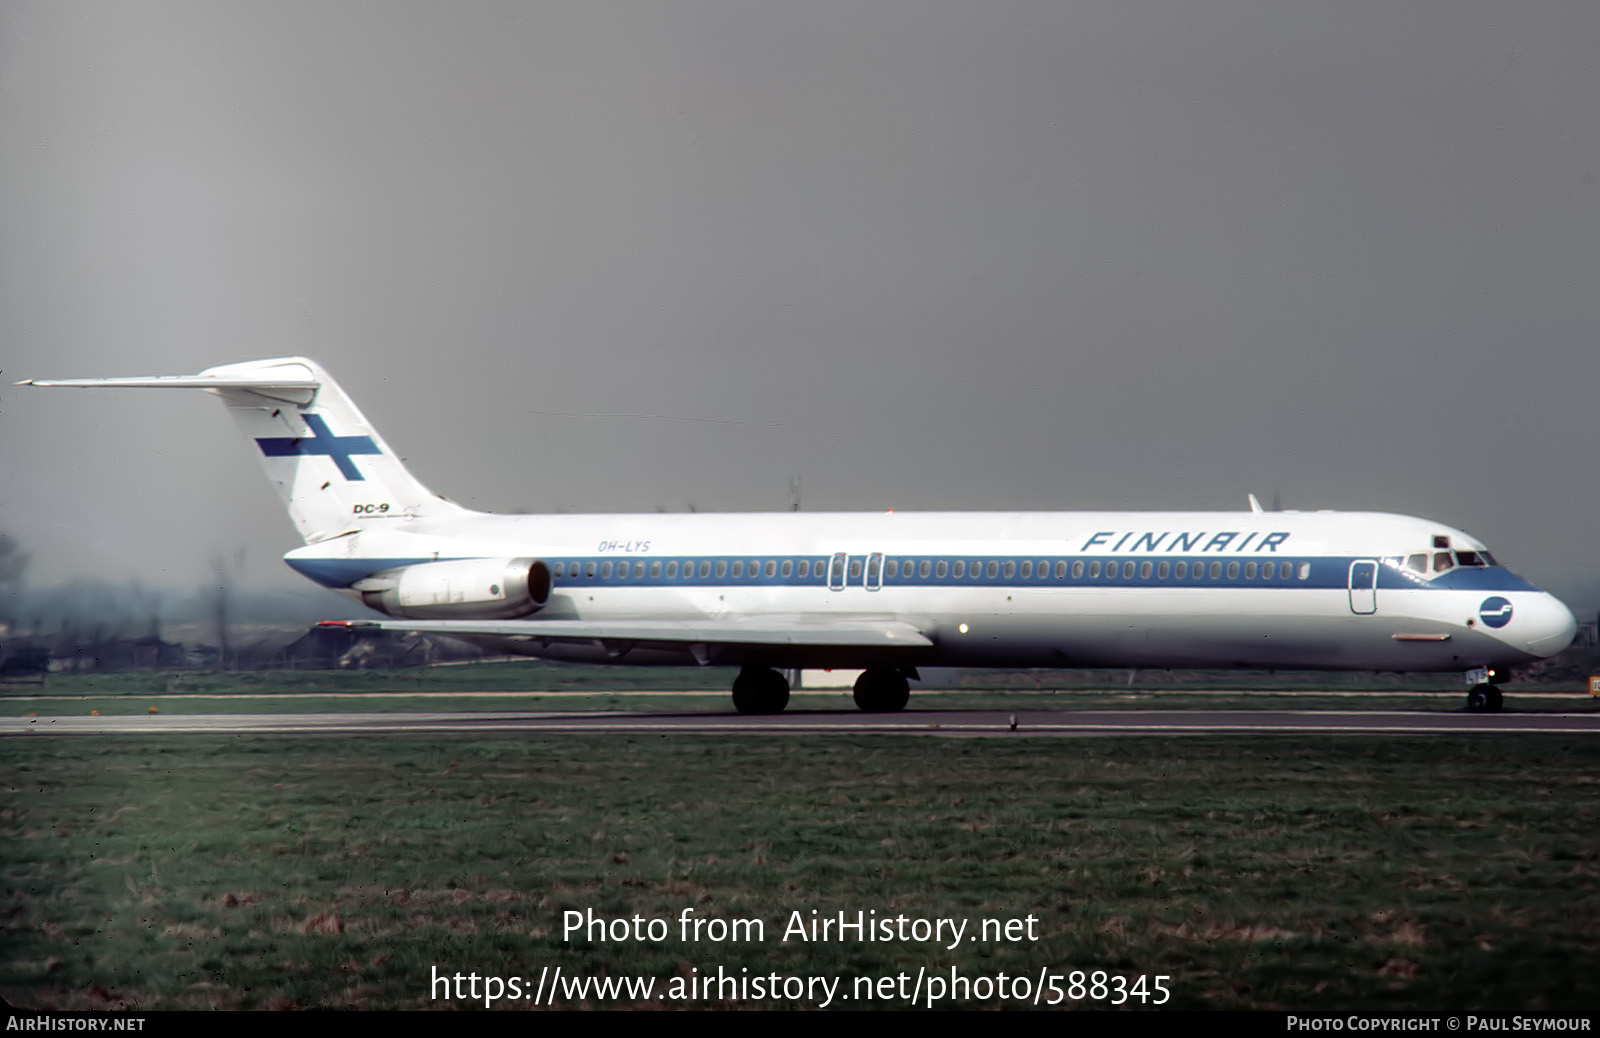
(1249,571)
(1233,571)
(893,570)
(772,567)
(1164,570)
(605,572)
(1285,570)
(1305,571)
(1216,570)
(655,569)
(1011,569)
(738,569)
(1061,569)
(1144,571)
(623,569)
(722,568)
(1127,570)
(992,569)
(944,569)
(923,568)
(672,570)
(788,568)
(1094,571)
(589,570)
(961,569)
(1077,569)
(705,569)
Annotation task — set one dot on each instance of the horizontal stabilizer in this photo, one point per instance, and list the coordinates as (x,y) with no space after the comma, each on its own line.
(292,390)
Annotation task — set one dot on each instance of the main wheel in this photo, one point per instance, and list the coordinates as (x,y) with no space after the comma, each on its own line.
(758,690)
(882,690)
(1483,699)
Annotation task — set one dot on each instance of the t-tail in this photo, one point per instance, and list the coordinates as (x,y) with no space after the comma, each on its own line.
(332,469)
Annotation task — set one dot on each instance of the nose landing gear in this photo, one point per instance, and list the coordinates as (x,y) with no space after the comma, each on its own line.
(1483,699)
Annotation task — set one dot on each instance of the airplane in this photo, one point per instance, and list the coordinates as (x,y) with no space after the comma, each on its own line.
(884,592)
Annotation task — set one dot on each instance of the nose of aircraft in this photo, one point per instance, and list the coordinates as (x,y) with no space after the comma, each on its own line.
(1545,625)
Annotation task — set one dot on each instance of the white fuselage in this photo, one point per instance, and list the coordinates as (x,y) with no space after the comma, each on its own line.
(1126,589)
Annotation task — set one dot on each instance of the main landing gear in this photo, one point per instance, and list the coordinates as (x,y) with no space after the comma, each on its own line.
(760,690)
(882,690)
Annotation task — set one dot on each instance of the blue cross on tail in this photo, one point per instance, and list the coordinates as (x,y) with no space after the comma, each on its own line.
(321,441)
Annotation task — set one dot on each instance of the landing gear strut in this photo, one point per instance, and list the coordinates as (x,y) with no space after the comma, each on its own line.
(882,690)
(758,690)
(1483,699)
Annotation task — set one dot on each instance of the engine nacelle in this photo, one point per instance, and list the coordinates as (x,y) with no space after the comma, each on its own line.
(464,589)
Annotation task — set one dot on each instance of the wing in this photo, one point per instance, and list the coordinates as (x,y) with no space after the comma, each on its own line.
(697,636)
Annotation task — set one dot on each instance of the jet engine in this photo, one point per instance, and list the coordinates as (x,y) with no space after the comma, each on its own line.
(462,589)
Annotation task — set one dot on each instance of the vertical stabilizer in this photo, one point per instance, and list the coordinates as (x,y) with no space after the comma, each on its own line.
(332,469)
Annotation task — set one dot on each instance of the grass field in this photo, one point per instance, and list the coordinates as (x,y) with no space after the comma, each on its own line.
(1283,871)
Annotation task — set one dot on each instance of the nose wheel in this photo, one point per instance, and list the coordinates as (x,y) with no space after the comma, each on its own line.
(1483,699)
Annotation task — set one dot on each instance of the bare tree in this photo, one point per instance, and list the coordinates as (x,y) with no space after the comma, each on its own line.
(219,597)
(13,562)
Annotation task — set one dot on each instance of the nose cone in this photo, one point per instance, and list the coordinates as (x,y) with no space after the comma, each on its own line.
(1543,625)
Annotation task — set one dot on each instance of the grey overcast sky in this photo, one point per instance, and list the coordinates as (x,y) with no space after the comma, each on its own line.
(922,255)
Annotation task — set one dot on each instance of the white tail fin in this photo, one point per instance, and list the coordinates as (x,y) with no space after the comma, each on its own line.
(332,469)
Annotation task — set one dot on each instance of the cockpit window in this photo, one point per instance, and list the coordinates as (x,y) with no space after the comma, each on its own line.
(1442,562)
(1469,558)
(1417,563)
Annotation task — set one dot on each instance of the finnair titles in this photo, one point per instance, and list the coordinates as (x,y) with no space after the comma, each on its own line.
(886,593)
(1186,542)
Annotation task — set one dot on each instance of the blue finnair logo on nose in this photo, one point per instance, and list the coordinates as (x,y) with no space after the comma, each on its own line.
(1496,611)
(321,441)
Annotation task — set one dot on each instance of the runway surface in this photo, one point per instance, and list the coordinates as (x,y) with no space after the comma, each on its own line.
(930,722)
